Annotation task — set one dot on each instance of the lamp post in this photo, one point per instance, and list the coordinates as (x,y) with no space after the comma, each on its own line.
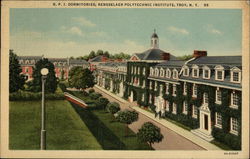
(44,73)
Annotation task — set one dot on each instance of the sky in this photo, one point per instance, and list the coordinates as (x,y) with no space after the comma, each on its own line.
(65,32)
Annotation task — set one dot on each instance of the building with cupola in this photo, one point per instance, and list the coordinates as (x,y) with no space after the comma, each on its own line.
(202,93)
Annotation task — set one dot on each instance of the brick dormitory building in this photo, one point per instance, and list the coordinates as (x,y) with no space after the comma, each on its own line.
(203,93)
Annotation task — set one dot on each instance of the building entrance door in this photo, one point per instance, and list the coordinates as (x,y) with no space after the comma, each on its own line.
(206,122)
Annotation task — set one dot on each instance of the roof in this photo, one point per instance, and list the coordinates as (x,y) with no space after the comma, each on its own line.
(76,61)
(29,57)
(58,59)
(153,54)
(171,63)
(218,60)
(154,35)
(96,59)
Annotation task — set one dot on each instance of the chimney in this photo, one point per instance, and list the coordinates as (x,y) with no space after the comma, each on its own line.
(165,56)
(199,53)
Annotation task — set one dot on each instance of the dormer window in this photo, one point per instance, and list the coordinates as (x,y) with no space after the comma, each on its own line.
(162,72)
(186,71)
(151,71)
(195,71)
(206,72)
(175,74)
(156,72)
(219,73)
(235,75)
(168,73)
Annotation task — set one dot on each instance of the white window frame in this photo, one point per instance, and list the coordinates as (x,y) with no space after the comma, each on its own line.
(236,70)
(194,111)
(161,72)
(205,68)
(185,71)
(232,105)
(193,92)
(174,110)
(205,98)
(156,72)
(175,74)
(217,101)
(138,70)
(195,67)
(167,88)
(151,71)
(150,98)
(185,107)
(185,88)
(150,84)
(155,86)
(217,70)
(168,73)
(132,69)
(218,118)
(232,122)
(144,71)
(174,90)
(167,105)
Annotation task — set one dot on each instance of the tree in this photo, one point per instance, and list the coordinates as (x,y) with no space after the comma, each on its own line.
(81,78)
(113,107)
(185,57)
(99,52)
(127,117)
(149,133)
(106,53)
(51,80)
(16,80)
(92,55)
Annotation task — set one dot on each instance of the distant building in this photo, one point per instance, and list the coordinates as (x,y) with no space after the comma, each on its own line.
(62,65)
(203,93)
(96,60)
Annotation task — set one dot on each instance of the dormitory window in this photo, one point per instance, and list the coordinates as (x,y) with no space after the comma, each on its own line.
(218,120)
(194,90)
(167,105)
(185,107)
(205,100)
(167,88)
(195,112)
(206,73)
(218,96)
(219,75)
(234,126)
(186,72)
(168,73)
(235,75)
(174,90)
(195,72)
(174,108)
(234,100)
(155,86)
(162,73)
(175,74)
(184,88)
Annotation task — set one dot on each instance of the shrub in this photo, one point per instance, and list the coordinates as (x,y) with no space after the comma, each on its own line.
(85,93)
(113,107)
(91,90)
(104,102)
(94,95)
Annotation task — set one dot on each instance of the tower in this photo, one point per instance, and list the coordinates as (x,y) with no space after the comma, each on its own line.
(154,41)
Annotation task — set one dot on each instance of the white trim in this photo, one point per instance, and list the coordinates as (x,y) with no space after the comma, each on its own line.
(237,70)
(232,105)
(208,84)
(206,68)
(151,78)
(193,114)
(219,68)
(167,88)
(216,120)
(185,88)
(168,73)
(162,71)
(231,126)
(193,94)
(216,96)
(185,105)
(175,71)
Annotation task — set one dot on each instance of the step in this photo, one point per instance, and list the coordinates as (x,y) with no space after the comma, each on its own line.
(202,135)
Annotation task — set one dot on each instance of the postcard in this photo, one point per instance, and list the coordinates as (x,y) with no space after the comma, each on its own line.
(125,79)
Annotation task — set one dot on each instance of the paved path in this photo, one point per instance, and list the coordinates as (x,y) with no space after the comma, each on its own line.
(172,140)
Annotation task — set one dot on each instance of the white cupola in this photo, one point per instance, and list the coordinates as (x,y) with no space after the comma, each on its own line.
(154,41)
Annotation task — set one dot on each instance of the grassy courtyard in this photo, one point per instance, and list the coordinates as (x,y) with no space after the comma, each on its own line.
(109,133)
(65,129)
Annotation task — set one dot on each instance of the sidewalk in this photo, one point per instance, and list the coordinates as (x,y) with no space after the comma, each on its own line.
(182,132)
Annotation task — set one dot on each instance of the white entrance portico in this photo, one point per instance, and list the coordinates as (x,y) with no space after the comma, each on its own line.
(205,129)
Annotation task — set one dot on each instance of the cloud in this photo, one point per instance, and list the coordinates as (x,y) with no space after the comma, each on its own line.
(98,34)
(83,21)
(72,30)
(211,29)
(178,30)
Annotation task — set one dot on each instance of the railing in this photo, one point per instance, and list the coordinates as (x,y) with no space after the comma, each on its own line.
(75,100)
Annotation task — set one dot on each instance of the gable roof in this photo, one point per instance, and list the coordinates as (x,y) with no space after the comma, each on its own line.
(218,60)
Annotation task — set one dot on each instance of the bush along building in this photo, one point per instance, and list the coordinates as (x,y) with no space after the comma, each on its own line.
(203,93)
(62,65)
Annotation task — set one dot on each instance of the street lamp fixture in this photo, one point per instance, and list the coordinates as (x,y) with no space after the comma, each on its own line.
(44,72)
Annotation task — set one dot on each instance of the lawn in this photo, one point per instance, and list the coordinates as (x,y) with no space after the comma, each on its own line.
(65,129)
(109,133)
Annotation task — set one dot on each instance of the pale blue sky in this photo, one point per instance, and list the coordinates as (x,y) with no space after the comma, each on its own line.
(75,32)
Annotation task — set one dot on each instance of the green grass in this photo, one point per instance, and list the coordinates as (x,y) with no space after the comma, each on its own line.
(109,133)
(65,129)
(221,145)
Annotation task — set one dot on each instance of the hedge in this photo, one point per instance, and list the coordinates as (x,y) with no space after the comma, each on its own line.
(28,96)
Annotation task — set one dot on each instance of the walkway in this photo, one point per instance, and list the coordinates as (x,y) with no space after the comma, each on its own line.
(175,137)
